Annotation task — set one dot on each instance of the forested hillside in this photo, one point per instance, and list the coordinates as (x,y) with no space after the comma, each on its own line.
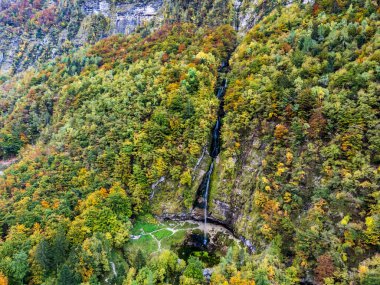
(108,145)
(300,152)
(33,32)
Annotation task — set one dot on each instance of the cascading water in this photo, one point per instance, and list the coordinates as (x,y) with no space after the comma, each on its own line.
(113,269)
(214,151)
(215,142)
(215,145)
(208,178)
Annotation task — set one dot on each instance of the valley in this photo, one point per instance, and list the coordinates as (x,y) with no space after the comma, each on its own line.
(189,142)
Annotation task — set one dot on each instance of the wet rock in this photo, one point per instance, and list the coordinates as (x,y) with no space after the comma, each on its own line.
(154,185)
(197,214)
(248,244)
(200,159)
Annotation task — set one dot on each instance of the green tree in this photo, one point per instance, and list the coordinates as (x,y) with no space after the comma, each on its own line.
(67,276)
(139,261)
(194,270)
(19,267)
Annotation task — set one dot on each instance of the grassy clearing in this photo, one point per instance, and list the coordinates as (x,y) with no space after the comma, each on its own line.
(176,239)
(161,231)
(146,243)
(145,227)
(162,234)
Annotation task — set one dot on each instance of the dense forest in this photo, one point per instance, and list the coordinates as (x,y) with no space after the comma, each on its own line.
(104,147)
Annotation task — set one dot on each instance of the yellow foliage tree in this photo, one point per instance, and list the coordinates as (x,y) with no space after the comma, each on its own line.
(3,279)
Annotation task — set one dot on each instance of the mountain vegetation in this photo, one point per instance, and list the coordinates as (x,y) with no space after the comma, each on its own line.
(301,139)
(112,135)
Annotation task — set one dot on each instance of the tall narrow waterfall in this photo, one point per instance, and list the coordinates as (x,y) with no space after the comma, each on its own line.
(204,188)
(208,178)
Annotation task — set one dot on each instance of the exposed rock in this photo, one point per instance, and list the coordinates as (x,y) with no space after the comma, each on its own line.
(130,16)
(197,214)
(154,186)
(124,17)
(221,210)
(174,217)
(22,48)
(207,272)
(199,161)
(7,162)
(248,244)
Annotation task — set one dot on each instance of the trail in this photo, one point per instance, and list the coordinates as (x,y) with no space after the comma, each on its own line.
(211,229)
(159,241)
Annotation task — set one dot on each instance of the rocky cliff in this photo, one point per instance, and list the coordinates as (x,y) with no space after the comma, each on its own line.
(125,16)
(50,28)
(37,31)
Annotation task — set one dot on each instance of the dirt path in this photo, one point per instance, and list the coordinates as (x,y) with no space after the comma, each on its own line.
(175,227)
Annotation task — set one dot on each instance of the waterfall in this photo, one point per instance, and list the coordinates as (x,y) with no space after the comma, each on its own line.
(113,269)
(207,188)
(214,150)
(215,144)
(237,6)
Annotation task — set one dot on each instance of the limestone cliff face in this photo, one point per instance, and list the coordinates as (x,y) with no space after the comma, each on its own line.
(231,199)
(124,17)
(40,32)
(72,24)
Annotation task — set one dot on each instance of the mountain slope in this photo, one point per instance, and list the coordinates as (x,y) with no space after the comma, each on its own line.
(113,132)
(120,114)
(300,152)
(40,30)
(32,32)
